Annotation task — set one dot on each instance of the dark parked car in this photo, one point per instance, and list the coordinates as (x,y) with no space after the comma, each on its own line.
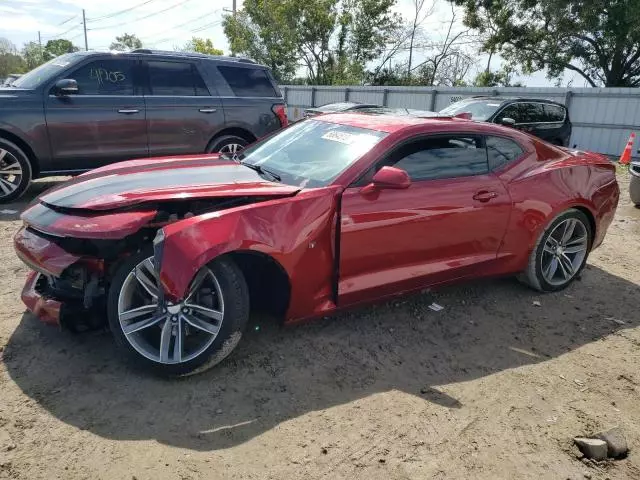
(338,108)
(87,109)
(543,118)
(634,184)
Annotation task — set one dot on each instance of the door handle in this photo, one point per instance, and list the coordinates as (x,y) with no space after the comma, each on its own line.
(128,111)
(484,196)
(207,110)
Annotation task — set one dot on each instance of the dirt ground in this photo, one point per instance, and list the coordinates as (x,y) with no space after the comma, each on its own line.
(492,387)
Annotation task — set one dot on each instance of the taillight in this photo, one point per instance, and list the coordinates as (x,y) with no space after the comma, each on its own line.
(280,110)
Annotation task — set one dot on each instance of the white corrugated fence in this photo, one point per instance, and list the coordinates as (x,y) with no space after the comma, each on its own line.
(602,118)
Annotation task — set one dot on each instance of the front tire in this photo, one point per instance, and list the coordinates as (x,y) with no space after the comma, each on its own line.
(560,253)
(177,339)
(15,171)
(634,190)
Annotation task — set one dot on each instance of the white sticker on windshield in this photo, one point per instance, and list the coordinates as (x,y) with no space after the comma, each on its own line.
(342,137)
(60,63)
(493,104)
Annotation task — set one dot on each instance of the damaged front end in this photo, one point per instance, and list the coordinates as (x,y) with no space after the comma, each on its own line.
(74,253)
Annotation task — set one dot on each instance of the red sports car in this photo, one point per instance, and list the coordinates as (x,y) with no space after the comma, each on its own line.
(329,213)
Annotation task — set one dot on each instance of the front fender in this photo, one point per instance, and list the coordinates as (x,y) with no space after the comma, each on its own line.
(297,232)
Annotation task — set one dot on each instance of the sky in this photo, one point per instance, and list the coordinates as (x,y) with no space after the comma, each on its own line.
(167,24)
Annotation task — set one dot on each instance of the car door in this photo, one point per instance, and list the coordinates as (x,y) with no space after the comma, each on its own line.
(104,122)
(447,224)
(182,113)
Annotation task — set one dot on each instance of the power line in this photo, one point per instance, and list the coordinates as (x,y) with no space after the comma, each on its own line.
(141,18)
(67,20)
(199,29)
(120,12)
(57,35)
(173,27)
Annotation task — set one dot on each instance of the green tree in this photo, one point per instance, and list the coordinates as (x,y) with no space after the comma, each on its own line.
(126,42)
(10,61)
(333,39)
(598,39)
(202,45)
(57,47)
(33,55)
(265,30)
(500,78)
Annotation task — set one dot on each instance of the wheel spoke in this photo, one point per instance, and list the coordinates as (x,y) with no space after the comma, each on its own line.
(197,283)
(577,241)
(147,283)
(137,312)
(549,248)
(165,341)
(563,270)
(201,324)
(567,264)
(569,227)
(6,187)
(178,341)
(576,249)
(551,269)
(142,324)
(207,312)
(2,153)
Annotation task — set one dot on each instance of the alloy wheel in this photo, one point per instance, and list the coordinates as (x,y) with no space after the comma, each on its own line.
(165,332)
(10,173)
(564,251)
(231,149)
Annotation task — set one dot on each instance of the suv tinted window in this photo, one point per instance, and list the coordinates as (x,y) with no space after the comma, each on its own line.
(501,151)
(554,113)
(175,78)
(523,112)
(111,76)
(248,82)
(441,157)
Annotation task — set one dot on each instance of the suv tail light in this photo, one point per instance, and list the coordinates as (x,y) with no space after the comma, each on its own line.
(280,110)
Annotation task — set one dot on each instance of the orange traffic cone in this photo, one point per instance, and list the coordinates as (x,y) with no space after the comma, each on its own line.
(625,158)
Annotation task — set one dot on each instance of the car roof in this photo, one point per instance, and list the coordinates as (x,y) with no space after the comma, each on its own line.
(382,122)
(170,54)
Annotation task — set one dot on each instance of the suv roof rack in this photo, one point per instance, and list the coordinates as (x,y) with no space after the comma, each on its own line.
(192,54)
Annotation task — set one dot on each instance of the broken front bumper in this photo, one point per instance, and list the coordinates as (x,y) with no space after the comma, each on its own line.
(63,288)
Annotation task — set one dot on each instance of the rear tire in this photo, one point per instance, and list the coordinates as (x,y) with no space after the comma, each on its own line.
(228,144)
(556,261)
(634,190)
(201,349)
(15,171)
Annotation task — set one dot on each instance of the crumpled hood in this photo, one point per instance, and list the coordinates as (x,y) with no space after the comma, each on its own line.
(163,179)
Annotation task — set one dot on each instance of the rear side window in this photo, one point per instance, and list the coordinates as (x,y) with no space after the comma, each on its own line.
(176,79)
(248,82)
(441,157)
(501,151)
(523,112)
(112,76)
(554,113)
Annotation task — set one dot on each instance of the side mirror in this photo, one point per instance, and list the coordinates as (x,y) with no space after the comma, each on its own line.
(509,122)
(65,86)
(389,178)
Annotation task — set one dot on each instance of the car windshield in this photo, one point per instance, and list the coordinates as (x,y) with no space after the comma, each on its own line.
(44,72)
(479,109)
(311,153)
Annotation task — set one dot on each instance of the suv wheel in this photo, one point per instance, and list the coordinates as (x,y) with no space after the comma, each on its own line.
(15,171)
(228,144)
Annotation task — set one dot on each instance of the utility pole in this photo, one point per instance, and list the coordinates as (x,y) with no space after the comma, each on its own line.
(84,26)
(234,8)
(39,39)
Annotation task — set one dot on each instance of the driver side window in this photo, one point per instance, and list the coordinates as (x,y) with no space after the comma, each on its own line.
(432,158)
(105,77)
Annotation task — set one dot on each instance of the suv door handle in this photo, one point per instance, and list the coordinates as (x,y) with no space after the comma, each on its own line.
(207,110)
(484,195)
(128,111)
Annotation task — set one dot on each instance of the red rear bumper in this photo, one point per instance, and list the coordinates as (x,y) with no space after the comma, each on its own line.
(46,309)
